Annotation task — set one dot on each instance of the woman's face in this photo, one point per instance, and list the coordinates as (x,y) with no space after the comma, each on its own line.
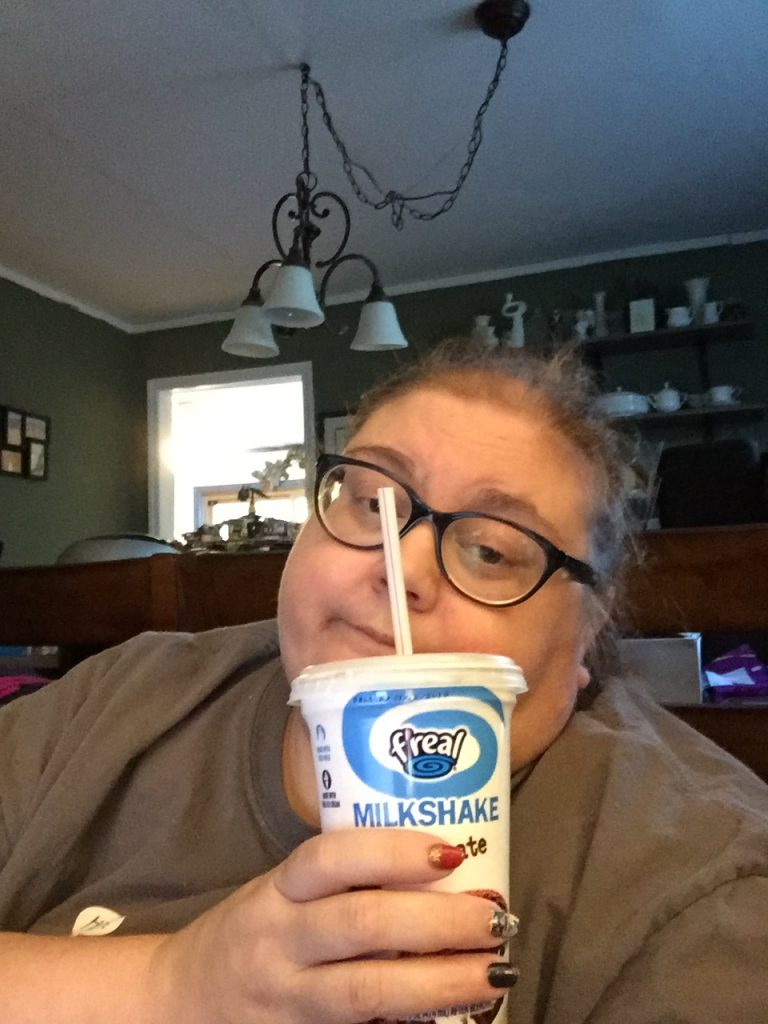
(452,450)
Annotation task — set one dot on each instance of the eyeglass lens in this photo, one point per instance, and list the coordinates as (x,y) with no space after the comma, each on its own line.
(491,561)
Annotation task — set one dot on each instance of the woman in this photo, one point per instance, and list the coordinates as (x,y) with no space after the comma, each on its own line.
(159,794)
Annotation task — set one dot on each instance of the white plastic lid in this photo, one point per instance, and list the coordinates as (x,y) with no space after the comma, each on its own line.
(345,678)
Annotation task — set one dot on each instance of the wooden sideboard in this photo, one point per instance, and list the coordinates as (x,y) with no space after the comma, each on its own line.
(708,580)
(99,604)
(712,579)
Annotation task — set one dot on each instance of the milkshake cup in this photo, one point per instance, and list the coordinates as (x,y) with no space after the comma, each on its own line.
(419,742)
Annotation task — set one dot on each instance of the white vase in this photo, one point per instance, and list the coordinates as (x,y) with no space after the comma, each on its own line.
(514,310)
(601,327)
(696,288)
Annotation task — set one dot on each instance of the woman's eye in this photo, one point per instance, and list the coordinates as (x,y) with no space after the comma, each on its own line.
(364,502)
(487,555)
(494,548)
(482,555)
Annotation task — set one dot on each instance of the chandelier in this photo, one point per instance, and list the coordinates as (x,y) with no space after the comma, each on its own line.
(291,302)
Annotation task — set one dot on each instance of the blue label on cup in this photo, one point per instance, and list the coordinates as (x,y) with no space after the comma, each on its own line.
(423,755)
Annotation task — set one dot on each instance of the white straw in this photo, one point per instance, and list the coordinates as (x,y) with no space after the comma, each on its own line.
(398,602)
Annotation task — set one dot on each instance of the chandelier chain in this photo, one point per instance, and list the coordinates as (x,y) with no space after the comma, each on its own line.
(400,203)
(305,119)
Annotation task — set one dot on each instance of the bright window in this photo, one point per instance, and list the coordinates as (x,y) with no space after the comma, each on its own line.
(209,434)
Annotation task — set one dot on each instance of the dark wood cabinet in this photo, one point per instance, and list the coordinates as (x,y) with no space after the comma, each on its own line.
(705,579)
(708,580)
(98,604)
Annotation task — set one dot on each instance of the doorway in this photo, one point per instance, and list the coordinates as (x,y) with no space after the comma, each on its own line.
(211,434)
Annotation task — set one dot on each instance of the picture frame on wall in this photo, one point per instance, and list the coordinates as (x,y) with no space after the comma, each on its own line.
(335,433)
(12,461)
(11,427)
(37,428)
(36,460)
(642,316)
(24,443)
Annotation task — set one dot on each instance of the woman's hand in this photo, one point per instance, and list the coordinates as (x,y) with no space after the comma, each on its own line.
(300,943)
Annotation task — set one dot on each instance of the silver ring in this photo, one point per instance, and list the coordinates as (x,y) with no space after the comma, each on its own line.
(503,925)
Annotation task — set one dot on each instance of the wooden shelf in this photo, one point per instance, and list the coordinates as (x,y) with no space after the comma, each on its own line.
(670,337)
(704,415)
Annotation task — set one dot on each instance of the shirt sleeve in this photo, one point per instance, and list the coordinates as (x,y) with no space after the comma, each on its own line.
(709,963)
(31,728)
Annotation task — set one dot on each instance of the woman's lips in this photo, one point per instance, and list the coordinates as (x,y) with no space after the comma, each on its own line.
(372,635)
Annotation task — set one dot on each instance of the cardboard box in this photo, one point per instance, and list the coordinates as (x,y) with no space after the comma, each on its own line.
(16,659)
(669,666)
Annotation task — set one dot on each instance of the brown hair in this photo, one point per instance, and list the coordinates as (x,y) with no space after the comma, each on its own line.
(562,388)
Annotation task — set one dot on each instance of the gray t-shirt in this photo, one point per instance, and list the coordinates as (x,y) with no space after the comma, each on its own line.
(640,874)
(148,781)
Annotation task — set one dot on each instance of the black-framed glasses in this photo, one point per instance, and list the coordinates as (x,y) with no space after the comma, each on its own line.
(491,560)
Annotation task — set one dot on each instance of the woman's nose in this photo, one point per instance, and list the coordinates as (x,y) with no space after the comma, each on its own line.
(421,573)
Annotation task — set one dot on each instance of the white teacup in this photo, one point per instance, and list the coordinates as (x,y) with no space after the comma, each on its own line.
(678,316)
(711,312)
(724,394)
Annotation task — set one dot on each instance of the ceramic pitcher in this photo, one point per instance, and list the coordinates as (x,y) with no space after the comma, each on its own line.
(696,288)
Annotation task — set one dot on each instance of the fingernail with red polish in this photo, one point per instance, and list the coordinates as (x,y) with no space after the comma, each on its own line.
(445,857)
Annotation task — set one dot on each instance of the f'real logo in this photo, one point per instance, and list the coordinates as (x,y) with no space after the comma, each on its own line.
(426,753)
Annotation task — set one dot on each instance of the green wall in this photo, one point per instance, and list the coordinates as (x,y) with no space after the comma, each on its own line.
(84,375)
(737,272)
(91,379)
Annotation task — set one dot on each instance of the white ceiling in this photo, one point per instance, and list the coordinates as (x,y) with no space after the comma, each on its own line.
(143,145)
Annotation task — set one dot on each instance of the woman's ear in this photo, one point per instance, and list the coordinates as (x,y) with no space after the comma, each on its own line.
(583,677)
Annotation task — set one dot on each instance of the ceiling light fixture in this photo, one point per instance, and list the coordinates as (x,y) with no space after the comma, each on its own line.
(291,302)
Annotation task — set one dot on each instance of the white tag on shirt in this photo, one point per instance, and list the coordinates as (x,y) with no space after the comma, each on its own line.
(97,921)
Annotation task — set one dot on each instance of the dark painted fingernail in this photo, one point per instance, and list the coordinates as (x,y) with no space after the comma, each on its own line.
(503,975)
(445,857)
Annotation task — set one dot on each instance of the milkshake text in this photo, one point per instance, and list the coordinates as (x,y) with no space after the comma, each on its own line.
(425,813)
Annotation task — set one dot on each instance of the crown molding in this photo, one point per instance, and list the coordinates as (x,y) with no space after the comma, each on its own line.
(431,284)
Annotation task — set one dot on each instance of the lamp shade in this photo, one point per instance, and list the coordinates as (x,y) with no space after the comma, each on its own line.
(291,301)
(378,329)
(251,334)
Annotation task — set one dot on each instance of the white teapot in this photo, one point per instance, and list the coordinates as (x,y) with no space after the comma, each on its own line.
(669,399)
